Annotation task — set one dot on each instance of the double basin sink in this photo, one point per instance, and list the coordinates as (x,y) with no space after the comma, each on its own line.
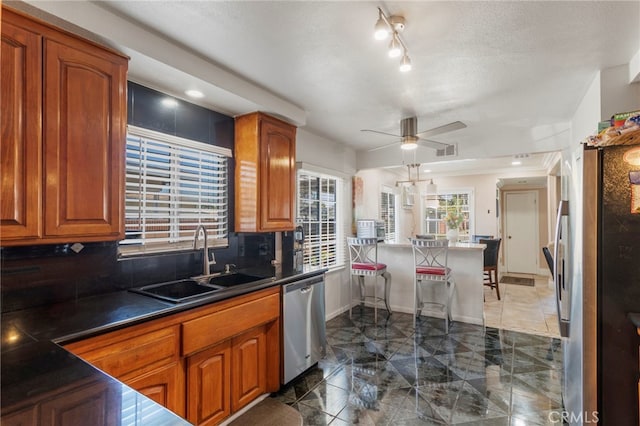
(192,289)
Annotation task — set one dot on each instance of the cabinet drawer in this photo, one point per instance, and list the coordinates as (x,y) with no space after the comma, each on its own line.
(146,351)
(207,330)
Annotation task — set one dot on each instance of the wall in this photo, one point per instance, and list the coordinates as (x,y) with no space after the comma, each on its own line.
(617,94)
(323,155)
(482,186)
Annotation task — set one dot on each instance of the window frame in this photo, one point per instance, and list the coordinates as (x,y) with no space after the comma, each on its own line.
(467,227)
(180,151)
(338,239)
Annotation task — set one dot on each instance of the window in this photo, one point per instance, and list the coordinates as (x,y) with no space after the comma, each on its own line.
(438,206)
(172,186)
(388,214)
(319,204)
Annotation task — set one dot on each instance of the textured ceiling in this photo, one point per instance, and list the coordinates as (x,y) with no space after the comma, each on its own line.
(514,72)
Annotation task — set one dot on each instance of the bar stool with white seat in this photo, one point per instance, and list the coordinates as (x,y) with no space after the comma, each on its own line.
(363,262)
(430,266)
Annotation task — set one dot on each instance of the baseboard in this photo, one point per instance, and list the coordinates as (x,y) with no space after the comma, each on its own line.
(335,313)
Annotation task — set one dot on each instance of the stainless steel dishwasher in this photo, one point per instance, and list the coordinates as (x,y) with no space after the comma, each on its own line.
(304,333)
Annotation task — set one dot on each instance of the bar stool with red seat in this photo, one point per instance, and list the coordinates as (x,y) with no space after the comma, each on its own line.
(363,260)
(430,266)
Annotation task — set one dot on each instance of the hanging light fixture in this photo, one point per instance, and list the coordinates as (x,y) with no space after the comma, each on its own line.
(432,188)
(393,25)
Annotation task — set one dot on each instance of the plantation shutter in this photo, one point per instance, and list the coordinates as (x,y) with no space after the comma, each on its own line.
(172,186)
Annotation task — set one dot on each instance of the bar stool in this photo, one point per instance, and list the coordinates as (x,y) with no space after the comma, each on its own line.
(363,260)
(430,265)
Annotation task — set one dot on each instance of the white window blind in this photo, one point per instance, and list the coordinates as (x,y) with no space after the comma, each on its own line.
(388,215)
(172,186)
(320,201)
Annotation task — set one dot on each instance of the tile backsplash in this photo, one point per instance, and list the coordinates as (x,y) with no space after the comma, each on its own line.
(40,275)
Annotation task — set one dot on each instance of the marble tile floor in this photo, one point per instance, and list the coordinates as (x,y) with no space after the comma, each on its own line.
(391,374)
(522,308)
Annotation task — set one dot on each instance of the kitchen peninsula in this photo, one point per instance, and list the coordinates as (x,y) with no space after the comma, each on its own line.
(466,263)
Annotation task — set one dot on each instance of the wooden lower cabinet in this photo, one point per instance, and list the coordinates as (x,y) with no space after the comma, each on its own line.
(164,385)
(208,385)
(249,367)
(203,364)
(76,407)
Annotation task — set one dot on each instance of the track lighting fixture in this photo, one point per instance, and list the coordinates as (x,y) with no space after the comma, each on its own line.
(393,25)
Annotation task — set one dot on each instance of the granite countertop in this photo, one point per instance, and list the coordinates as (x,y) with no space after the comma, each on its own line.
(37,372)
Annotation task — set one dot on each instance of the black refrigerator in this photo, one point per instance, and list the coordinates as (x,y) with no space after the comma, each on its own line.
(597,277)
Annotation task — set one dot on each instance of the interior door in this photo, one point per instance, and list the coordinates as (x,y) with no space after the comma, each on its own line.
(521,238)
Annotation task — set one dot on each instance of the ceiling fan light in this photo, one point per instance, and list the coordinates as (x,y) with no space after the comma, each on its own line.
(409,143)
(405,63)
(395,49)
(381,30)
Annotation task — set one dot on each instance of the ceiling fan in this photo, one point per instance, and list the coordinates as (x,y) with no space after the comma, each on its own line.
(410,138)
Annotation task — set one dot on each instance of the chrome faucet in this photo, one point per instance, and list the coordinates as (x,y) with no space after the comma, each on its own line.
(206,262)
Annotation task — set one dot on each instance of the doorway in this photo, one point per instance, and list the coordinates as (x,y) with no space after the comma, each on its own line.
(521,232)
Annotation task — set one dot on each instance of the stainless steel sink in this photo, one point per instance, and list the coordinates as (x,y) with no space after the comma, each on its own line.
(228,280)
(177,291)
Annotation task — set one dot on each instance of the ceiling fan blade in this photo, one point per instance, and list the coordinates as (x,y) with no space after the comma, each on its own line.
(432,144)
(379,132)
(383,146)
(456,125)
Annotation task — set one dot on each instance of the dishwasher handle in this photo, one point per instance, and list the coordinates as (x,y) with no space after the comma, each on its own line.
(304,284)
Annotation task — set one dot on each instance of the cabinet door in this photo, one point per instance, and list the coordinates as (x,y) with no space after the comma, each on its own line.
(249,374)
(21,148)
(208,385)
(163,385)
(277,175)
(84,134)
(94,405)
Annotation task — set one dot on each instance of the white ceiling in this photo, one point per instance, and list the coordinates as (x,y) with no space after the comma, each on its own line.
(514,72)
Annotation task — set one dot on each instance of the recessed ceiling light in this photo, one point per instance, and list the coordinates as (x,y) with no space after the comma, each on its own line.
(516,163)
(192,93)
(170,102)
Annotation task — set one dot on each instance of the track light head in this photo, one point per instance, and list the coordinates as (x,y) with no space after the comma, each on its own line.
(395,50)
(405,63)
(381,30)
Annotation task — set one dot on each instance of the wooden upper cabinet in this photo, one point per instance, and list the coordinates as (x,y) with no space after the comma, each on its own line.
(85,97)
(63,136)
(265,175)
(21,147)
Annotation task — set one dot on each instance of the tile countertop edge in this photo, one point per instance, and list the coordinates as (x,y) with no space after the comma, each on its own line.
(52,340)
